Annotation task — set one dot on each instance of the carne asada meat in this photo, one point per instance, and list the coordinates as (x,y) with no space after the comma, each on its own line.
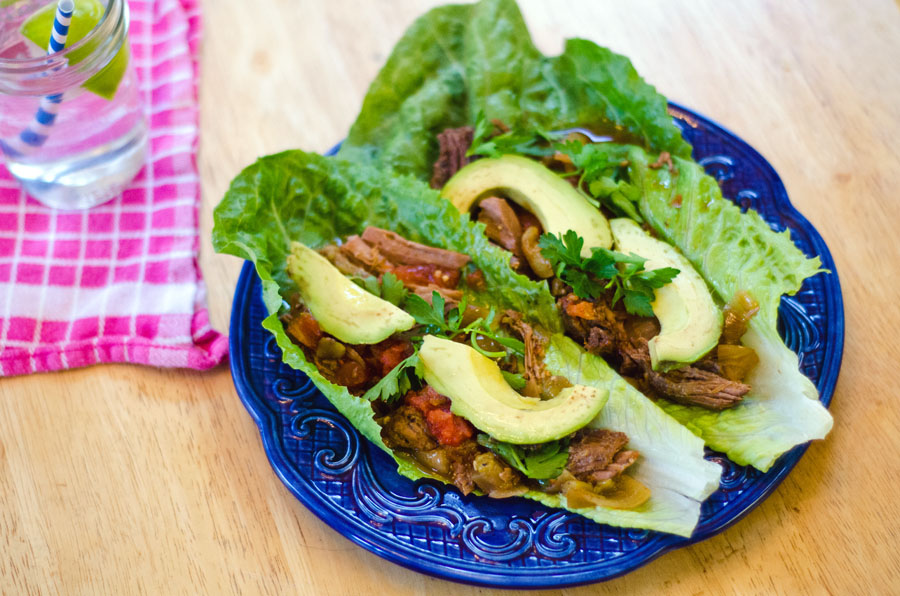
(453,144)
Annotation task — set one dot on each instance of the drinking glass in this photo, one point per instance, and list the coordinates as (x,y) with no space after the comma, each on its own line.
(97,141)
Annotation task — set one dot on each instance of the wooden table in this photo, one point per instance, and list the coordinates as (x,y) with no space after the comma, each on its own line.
(122,479)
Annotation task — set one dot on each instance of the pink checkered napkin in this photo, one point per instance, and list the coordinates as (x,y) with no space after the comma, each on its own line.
(119,282)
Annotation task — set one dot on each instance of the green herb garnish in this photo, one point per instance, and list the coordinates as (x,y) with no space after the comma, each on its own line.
(449,326)
(517,142)
(590,277)
(390,288)
(397,382)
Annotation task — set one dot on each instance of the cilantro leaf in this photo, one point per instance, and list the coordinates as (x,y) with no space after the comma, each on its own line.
(369,284)
(588,276)
(431,315)
(562,249)
(601,167)
(393,290)
(541,463)
(389,288)
(638,303)
(657,278)
(396,383)
(448,325)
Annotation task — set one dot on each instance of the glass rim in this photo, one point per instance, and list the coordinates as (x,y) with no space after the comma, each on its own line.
(54,73)
(25,66)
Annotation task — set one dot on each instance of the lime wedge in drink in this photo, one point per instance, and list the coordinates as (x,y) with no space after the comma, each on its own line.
(86,16)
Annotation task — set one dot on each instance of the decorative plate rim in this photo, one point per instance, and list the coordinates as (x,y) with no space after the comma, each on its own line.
(515,577)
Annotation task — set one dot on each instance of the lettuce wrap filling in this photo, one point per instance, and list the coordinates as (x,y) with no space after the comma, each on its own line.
(296,196)
(466,81)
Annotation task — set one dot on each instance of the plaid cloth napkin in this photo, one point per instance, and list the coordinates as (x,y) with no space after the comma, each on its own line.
(118,282)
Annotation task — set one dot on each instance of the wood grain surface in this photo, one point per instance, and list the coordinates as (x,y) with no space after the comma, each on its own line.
(124,480)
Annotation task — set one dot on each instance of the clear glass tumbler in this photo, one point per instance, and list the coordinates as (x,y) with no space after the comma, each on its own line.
(97,142)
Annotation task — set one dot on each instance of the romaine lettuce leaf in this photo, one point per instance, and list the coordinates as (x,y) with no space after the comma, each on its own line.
(457,61)
(737,251)
(671,463)
(316,200)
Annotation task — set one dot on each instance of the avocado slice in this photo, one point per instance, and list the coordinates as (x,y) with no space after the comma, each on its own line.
(690,321)
(479,393)
(555,203)
(341,307)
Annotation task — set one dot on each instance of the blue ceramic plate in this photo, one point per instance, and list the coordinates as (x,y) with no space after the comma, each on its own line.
(430,527)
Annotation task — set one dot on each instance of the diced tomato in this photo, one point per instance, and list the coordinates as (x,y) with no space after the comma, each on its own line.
(446,427)
(306,330)
(422,275)
(580,309)
(392,355)
(427,399)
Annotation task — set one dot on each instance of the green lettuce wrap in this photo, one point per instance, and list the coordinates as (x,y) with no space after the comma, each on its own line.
(317,200)
(458,62)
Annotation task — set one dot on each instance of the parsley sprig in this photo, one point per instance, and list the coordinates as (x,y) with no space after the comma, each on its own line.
(403,376)
(397,382)
(389,287)
(541,463)
(602,169)
(519,142)
(592,276)
(449,325)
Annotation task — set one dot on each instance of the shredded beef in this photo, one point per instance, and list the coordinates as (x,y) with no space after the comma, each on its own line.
(364,253)
(405,252)
(596,324)
(693,386)
(461,460)
(341,258)
(453,144)
(535,373)
(596,455)
(501,224)
(405,428)
(623,339)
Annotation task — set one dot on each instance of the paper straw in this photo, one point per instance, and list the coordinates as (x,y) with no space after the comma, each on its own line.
(36,133)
